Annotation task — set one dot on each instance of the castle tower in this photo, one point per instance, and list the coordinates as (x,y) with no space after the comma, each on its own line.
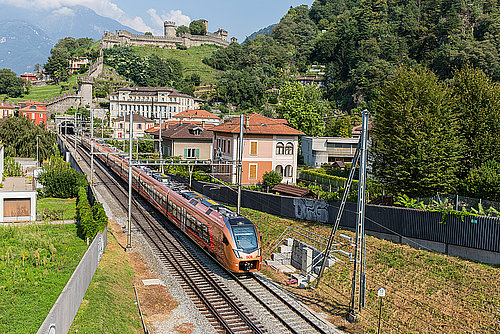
(170,29)
(205,22)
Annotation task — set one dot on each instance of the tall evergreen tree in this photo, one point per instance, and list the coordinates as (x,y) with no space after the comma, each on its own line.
(416,147)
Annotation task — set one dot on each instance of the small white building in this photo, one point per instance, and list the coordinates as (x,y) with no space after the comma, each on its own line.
(322,150)
(17,200)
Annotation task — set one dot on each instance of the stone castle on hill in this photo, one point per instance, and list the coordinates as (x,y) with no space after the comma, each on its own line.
(169,41)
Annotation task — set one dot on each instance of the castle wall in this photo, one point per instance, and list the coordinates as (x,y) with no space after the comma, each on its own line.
(123,37)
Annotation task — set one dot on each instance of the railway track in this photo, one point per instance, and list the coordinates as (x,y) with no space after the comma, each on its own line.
(221,307)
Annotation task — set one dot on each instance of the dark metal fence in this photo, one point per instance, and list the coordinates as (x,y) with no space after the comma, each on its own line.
(481,233)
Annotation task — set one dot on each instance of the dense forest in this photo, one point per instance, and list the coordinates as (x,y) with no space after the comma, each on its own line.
(363,42)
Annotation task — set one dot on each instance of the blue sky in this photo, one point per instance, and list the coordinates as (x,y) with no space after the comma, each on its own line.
(239,18)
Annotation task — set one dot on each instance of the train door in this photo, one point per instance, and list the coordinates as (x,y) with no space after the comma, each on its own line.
(183,220)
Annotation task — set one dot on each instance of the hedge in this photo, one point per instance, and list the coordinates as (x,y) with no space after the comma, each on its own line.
(91,219)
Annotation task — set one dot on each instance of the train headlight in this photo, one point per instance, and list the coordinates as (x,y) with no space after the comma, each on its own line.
(259,253)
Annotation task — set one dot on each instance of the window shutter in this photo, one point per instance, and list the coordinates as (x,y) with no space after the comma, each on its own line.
(253,148)
(253,171)
(197,153)
(185,153)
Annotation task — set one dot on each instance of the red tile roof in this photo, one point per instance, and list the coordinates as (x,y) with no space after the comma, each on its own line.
(195,114)
(33,108)
(185,131)
(5,106)
(32,102)
(258,124)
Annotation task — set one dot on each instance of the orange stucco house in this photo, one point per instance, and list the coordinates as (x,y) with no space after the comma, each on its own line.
(268,144)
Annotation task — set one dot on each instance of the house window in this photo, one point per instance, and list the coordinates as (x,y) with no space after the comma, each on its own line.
(139,126)
(289,149)
(191,153)
(288,171)
(253,148)
(32,116)
(279,169)
(229,146)
(253,172)
(280,148)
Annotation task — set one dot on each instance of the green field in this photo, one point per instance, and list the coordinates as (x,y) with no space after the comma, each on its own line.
(50,209)
(191,59)
(427,292)
(42,93)
(36,261)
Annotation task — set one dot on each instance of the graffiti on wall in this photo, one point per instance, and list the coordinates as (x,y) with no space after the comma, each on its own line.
(311,209)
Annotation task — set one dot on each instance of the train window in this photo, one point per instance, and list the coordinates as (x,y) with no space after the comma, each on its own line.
(245,237)
(193,202)
(209,211)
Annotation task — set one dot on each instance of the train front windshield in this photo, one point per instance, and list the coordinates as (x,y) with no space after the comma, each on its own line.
(246,238)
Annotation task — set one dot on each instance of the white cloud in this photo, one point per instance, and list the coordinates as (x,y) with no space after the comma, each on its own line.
(177,16)
(173,15)
(65,11)
(102,7)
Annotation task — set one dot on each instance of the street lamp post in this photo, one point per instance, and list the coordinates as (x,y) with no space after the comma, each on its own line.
(129,222)
(92,147)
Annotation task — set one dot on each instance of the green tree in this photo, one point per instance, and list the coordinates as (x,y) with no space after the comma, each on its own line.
(148,33)
(301,107)
(476,102)
(181,30)
(59,179)
(484,181)
(339,126)
(197,28)
(57,65)
(19,135)
(271,179)
(10,84)
(416,147)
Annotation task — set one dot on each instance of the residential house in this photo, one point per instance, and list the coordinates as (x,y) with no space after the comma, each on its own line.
(268,144)
(121,126)
(6,110)
(312,81)
(321,150)
(151,102)
(197,116)
(29,77)
(36,113)
(76,62)
(188,141)
(39,104)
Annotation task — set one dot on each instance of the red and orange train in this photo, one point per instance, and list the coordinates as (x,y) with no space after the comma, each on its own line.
(233,240)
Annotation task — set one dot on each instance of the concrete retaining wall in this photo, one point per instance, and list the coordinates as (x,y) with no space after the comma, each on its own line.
(63,312)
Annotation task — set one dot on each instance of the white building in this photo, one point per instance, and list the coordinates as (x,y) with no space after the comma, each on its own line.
(150,102)
(321,150)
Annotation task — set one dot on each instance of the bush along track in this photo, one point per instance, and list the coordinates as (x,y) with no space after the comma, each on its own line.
(91,219)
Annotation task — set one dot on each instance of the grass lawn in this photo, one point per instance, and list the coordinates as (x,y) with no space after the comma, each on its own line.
(191,59)
(42,93)
(427,292)
(36,261)
(109,304)
(52,208)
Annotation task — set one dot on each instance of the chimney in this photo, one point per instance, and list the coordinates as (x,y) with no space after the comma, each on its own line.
(246,123)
